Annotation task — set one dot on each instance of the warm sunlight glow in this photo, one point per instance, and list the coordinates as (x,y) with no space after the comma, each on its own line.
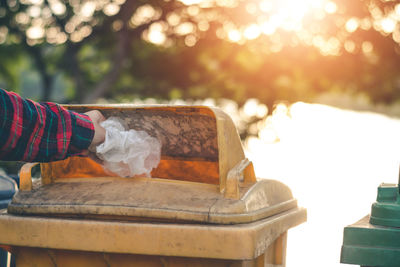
(251,8)
(252,32)
(333,161)
(57,7)
(35,2)
(172,18)
(191,2)
(156,37)
(145,14)
(351,25)
(250,107)
(234,36)
(365,24)
(156,34)
(203,25)
(367,47)
(34,11)
(185,28)
(111,9)
(268,28)
(88,9)
(272,16)
(190,40)
(349,46)
(388,25)
(266,6)
(397,10)
(330,7)
(22,18)
(35,32)
(3,34)
(289,14)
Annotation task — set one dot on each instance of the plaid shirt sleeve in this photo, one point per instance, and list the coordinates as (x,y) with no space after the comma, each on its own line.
(40,132)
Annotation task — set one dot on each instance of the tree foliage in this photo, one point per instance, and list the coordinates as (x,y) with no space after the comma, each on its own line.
(270,50)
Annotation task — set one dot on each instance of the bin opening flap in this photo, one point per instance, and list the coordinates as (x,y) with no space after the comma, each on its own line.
(190,136)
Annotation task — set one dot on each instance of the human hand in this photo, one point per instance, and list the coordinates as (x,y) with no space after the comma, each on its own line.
(99,132)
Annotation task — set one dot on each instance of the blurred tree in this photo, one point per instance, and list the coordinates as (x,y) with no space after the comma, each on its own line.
(270,50)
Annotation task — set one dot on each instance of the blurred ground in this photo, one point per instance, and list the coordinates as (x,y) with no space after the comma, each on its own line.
(333,160)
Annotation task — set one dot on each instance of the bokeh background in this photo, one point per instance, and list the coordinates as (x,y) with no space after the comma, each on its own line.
(312,85)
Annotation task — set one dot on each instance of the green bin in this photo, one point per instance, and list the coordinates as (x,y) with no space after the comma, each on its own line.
(375,239)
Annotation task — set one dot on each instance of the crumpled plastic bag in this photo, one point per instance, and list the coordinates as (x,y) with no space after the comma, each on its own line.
(128,153)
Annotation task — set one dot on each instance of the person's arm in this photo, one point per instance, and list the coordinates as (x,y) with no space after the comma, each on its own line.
(42,132)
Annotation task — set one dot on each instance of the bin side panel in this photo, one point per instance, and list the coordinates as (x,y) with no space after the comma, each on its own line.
(28,257)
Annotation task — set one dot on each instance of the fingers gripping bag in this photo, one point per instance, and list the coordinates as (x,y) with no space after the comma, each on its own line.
(128,153)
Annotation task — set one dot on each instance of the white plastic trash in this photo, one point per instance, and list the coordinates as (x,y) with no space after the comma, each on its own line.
(128,153)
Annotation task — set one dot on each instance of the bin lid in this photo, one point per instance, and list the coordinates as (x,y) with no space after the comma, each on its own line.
(203,175)
(153,199)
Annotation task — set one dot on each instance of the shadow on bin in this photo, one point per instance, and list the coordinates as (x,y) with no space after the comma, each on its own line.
(204,205)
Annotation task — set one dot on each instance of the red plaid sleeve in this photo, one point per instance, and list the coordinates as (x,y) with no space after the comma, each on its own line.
(40,132)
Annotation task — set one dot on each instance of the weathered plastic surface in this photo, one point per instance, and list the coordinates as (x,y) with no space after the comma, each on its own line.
(204,207)
(64,258)
(366,244)
(188,136)
(8,188)
(245,241)
(386,210)
(199,144)
(375,239)
(197,162)
(153,199)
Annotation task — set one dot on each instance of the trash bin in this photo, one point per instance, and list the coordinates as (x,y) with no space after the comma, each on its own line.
(375,239)
(8,187)
(15,177)
(203,206)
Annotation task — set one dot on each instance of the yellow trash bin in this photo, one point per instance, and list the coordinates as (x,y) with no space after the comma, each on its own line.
(204,206)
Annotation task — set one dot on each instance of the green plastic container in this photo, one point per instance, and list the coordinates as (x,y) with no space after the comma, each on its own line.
(375,239)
